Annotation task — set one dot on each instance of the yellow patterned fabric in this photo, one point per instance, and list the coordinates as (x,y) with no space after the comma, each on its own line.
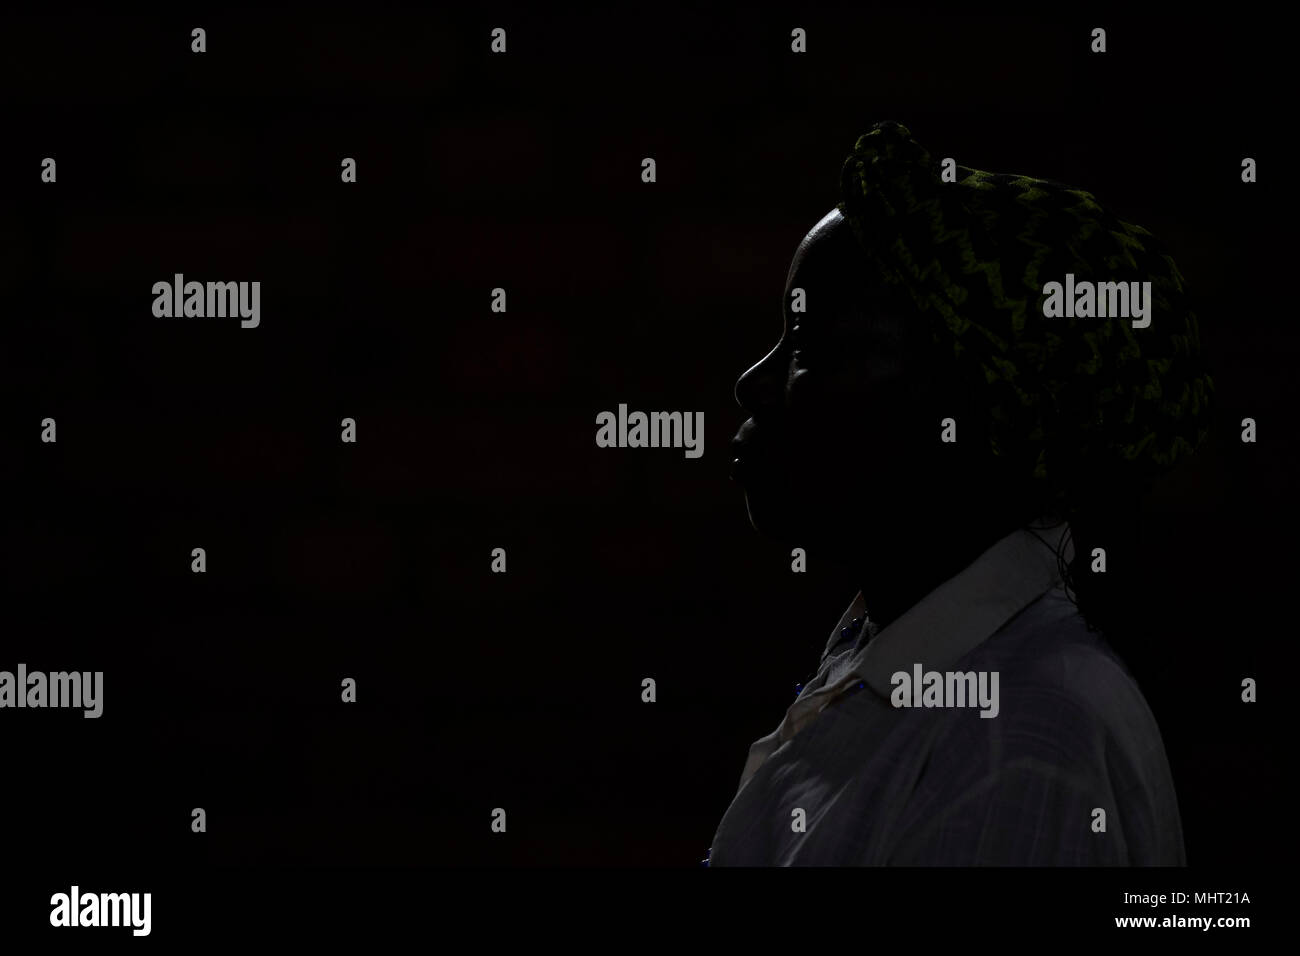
(1068,400)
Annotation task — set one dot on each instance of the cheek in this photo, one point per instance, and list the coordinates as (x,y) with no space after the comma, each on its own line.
(823,392)
(873,445)
(849,402)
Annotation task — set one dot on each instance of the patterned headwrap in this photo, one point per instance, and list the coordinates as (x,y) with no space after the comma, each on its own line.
(1068,399)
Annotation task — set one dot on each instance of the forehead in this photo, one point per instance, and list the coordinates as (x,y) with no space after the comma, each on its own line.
(820,251)
(839,280)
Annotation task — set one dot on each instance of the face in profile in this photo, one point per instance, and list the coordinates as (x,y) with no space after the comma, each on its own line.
(841,448)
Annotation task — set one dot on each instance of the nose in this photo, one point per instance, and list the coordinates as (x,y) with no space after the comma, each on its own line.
(763,384)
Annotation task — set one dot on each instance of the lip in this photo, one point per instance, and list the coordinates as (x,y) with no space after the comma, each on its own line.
(744,437)
(744,456)
(740,451)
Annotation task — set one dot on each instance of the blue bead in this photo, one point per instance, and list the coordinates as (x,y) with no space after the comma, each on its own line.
(798,689)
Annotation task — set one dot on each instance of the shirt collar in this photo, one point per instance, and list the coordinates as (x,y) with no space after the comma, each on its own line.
(948,622)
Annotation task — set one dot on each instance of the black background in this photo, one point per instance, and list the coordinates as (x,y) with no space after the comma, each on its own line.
(476,429)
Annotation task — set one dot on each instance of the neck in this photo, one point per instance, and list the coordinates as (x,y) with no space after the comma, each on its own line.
(916,567)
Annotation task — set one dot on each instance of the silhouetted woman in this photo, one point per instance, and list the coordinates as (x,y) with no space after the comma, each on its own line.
(922,421)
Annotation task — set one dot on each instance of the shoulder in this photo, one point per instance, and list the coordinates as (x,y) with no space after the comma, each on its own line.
(1049,646)
(1063,691)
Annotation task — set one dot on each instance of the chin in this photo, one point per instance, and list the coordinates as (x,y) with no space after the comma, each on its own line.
(774,521)
(771,520)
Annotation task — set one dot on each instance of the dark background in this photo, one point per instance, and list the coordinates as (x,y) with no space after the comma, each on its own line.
(476,429)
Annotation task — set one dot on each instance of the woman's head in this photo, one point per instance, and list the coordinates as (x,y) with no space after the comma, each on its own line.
(922,300)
